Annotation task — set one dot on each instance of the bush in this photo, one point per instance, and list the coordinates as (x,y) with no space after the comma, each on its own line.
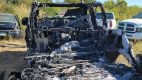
(6,8)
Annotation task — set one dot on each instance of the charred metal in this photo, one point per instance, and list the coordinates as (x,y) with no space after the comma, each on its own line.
(72,47)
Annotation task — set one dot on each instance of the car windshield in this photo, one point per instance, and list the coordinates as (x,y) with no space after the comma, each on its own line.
(7,18)
(108,16)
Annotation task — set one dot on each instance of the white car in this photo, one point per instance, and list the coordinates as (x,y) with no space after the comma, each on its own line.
(132,28)
(111,21)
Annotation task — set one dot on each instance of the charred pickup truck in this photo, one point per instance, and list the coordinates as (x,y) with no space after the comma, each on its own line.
(74,47)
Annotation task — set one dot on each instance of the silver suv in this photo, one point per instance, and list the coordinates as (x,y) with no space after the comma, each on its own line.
(9,25)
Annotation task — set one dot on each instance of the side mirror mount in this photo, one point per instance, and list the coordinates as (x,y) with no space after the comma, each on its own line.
(25,20)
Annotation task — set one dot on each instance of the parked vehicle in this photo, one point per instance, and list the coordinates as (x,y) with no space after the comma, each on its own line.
(111,21)
(132,28)
(9,25)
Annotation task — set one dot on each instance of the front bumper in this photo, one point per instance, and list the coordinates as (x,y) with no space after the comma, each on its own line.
(9,32)
(134,36)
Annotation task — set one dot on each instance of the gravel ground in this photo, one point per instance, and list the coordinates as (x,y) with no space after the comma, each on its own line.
(11,59)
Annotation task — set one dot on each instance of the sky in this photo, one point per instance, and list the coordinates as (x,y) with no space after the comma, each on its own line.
(130,2)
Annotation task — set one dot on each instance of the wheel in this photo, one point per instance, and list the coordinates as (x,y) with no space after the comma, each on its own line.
(112,56)
(14,76)
(139,63)
(19,35)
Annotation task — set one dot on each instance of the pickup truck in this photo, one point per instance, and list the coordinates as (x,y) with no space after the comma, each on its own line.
(111,21)
(132,28)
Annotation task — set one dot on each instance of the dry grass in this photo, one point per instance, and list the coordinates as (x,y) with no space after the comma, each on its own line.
(21,11)
(12,49)
(137,48)
(20,43)
(13,41)
(121,59)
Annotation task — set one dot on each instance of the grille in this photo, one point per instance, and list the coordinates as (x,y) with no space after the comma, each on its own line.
(129,29)
(121,28)
(2,28)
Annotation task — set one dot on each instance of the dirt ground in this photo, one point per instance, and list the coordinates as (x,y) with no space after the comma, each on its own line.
(11,57)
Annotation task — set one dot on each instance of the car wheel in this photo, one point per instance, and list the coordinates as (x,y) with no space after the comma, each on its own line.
(139,63)
(19,35)
(14,76)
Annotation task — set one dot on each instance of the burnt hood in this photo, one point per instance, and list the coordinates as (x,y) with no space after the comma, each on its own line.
(7,25)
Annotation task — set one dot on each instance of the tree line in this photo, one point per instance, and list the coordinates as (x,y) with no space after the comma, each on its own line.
(119,7)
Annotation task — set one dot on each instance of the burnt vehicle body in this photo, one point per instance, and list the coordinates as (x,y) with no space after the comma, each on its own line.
(69,48)
(9,25)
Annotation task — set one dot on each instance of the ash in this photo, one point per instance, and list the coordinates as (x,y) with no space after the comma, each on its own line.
(66,64)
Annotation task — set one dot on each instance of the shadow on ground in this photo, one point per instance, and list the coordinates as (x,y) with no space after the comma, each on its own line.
(11,61)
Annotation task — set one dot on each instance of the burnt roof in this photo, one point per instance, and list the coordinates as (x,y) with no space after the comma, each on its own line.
(83,5)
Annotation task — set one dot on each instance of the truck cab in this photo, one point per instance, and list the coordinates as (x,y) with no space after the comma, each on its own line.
(111,21)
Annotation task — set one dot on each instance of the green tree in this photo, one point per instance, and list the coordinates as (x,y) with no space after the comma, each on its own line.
(89,1)
(109,5)
(72,1)
(122,7)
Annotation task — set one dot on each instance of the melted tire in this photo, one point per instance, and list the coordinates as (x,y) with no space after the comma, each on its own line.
(12,77)
(112,56)
(139,63)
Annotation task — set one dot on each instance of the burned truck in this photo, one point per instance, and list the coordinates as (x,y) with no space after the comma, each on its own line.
(72,46)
